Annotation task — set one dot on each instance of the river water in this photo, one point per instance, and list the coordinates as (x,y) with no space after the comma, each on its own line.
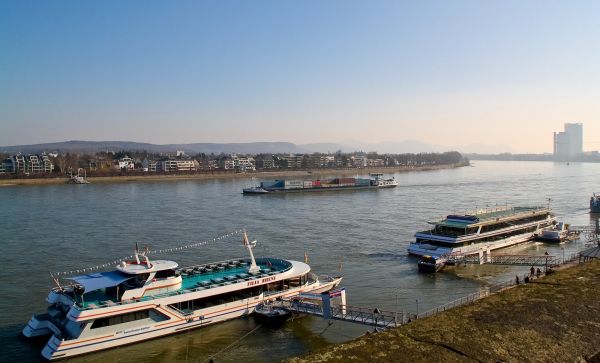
(363,234)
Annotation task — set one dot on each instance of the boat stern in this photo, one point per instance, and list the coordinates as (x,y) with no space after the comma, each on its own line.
(39,325)
(50,351)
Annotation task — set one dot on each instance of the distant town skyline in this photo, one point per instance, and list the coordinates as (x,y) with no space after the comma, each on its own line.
(455,73)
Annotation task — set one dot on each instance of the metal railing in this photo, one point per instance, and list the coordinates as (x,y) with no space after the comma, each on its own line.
(366,316)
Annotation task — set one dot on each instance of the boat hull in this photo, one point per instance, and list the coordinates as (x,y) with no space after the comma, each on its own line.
(57,349)
(423,250)
(317,189)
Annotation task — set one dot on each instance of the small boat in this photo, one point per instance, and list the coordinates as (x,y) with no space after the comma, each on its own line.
(556,233)
(431,263)
(595,203)
(270,315)
(254,190)
(78,179)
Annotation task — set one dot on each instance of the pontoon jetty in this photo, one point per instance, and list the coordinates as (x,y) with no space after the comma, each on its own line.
(144,299)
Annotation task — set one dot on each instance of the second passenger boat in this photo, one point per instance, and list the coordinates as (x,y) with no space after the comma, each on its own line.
(487,229)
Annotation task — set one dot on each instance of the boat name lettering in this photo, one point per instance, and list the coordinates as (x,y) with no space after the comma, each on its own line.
(258,282)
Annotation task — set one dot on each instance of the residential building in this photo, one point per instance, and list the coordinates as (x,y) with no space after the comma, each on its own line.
(375,162)
(265,163)
(244,164)
(294,160)
(46,164)
(179,165)
(33,164)
(359,161)
(19,164)
(125,163)
(150,165)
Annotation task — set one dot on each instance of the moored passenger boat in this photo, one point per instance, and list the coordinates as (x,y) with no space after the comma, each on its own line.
(483,230)
(144,299)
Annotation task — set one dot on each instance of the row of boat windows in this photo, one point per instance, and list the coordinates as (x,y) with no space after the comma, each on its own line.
(200,303)
(495,227)
(480,240)
(209,301)
(126,318)
(457,232)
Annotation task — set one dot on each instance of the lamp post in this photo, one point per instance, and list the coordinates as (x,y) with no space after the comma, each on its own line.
(417,300)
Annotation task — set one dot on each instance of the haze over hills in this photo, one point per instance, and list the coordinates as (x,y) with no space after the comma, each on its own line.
(391,147)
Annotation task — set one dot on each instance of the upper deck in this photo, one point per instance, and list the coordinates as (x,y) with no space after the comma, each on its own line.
(483,221)
(195,278)
(488,216)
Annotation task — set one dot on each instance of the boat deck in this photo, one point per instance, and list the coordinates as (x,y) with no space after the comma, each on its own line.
(486,215)
(196,278)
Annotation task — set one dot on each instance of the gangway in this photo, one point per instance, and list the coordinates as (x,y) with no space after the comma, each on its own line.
(326,306)
(515,260)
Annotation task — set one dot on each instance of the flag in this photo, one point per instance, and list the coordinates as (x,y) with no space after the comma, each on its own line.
(305,257)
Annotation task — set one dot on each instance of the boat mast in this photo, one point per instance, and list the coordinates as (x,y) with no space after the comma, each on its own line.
(253,267)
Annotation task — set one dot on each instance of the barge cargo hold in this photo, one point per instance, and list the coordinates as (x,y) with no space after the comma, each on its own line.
(286,186)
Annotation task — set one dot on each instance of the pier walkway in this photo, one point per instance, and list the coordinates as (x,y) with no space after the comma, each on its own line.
(328,307)
(515,260)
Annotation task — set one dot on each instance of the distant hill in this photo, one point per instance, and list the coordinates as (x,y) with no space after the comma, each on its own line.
(77,146)
(391,147)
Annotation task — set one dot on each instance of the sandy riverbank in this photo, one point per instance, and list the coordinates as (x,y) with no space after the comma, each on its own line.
(552,319)
(308,174)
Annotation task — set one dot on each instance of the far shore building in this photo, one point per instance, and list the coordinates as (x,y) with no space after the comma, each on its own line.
(569,143)
(179,165)
(125,163)
(27,164)
(150,165)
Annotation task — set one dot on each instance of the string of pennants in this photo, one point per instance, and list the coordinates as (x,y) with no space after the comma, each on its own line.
(150,252)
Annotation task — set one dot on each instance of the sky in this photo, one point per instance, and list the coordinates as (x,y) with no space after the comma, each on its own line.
(506,73)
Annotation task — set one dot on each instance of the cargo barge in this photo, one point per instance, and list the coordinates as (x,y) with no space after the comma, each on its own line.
(287,186)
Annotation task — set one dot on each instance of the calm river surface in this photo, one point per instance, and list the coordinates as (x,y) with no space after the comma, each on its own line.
(61,227)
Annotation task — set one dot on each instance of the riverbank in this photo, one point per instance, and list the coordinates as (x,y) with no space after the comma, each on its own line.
(552,319)
(279,174)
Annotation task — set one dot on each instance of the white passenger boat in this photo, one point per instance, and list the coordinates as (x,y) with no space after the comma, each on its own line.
(144,299)
(384,183)
(483,230)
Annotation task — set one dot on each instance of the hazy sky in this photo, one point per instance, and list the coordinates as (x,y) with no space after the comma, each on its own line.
(444,72)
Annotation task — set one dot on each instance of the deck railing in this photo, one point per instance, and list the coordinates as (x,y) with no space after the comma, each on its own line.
(195,289)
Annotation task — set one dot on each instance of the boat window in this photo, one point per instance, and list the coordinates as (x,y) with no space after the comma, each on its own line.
(164,274)
(219,299)
(124,318)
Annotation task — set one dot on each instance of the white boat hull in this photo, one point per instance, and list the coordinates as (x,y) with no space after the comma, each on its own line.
(421,249)
(59,349)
